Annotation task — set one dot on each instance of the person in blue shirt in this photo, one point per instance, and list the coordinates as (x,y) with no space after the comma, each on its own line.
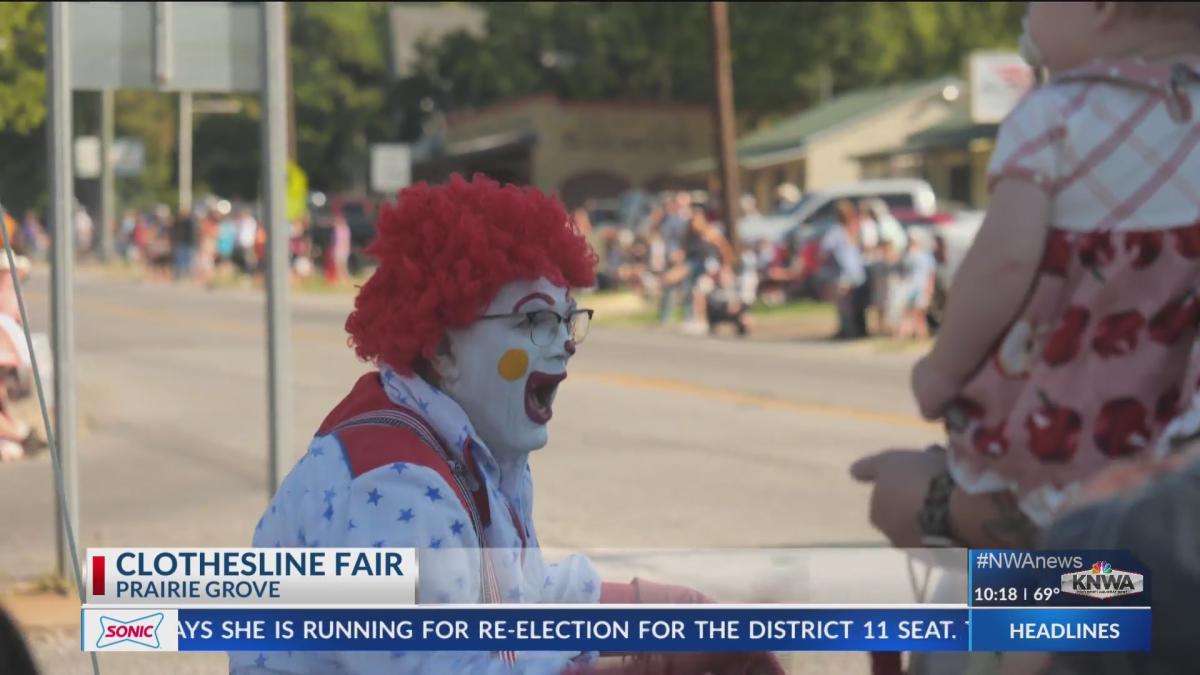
(845,273)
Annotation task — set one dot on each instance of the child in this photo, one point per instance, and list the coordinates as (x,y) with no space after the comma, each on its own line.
(914,291)
(1068,339)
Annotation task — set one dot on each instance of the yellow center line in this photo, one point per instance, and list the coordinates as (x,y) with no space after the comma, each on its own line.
(619,379)
(762,401)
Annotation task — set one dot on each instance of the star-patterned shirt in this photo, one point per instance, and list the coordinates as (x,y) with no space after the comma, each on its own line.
(321,503)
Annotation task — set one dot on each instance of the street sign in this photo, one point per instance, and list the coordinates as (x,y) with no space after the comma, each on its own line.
(998,81)
(128,157)
(87,157)
(391,166)
(166,46)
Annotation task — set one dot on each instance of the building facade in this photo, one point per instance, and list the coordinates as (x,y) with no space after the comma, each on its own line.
(820,146)
(578,150)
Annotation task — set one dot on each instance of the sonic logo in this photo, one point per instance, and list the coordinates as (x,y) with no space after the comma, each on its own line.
(140,631)
(1102,582)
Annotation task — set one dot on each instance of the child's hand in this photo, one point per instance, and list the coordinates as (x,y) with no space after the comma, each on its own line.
(933,390)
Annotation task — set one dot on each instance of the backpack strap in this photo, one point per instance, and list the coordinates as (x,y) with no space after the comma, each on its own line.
(378,437)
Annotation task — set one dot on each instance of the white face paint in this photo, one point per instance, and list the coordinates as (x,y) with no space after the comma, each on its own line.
(503,380)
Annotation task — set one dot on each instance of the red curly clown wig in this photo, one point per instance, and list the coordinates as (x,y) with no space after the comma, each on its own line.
(445,250)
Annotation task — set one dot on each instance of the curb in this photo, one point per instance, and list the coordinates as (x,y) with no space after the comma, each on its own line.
(35,612)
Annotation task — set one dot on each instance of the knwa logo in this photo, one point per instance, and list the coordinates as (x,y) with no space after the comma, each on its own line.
(1102,582)
(140,631)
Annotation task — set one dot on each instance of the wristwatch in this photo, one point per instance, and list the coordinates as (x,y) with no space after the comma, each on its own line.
(934,517)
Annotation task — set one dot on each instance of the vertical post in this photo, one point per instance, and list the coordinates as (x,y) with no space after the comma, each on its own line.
(185,150)
(293,153)
(104,243)
(274,188)
(58,92)
(723,120)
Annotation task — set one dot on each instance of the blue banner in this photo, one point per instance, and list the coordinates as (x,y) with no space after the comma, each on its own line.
(1060,630)
(632,629)
(587,629)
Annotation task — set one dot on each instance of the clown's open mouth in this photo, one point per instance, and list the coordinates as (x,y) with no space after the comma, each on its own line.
(540,389)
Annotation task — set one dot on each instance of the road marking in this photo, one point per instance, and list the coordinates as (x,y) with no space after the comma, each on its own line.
(770,402)
(628,380)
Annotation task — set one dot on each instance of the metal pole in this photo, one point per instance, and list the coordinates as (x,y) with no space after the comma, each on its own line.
(274,189)
(104,242)
(185,150)
(724,121)
(58,106)
(293,152)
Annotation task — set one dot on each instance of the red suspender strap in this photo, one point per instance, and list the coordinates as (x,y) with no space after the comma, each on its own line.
(404,420)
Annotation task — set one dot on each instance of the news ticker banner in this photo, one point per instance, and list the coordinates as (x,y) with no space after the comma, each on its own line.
(360,599)
(617,628)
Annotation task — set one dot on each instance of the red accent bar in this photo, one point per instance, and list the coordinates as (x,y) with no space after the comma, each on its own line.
(97,575)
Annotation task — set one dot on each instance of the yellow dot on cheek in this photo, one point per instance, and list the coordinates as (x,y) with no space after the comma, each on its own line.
(513,364)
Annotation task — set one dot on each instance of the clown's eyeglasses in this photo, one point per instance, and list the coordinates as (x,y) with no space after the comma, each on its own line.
(544,323)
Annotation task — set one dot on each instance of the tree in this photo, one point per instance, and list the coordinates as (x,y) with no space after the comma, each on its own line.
(22,105)
(22,66)
(660,51)
(342,83)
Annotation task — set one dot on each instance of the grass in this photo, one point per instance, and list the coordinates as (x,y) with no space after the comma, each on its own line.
(50,583)
(648,315)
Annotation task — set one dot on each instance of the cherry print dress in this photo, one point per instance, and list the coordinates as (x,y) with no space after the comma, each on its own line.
(1102,357)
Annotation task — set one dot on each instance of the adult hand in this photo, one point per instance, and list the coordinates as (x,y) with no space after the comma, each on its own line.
(718,663)
(901,479)
(933,389)
(757,663)
(649,592)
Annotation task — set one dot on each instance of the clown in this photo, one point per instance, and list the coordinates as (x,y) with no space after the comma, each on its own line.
(470,321)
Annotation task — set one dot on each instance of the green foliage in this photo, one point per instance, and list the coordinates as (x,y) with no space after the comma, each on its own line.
(22,69)
(784,54)
(22,105)
(785,57)
(153,117)
(341,84)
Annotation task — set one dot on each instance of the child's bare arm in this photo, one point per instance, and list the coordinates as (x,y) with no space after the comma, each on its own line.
(991,286)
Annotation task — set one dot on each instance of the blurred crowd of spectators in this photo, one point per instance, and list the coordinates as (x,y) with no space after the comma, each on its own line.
(678,253)
(670,248)
(216,239)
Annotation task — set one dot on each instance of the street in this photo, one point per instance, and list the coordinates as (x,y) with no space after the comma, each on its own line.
(658,440)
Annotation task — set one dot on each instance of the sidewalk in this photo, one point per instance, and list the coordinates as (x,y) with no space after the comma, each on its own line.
(41,611)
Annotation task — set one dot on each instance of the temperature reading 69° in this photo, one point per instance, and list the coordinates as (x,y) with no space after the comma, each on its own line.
(1045,593)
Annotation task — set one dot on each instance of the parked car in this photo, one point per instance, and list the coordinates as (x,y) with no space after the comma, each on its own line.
(818,208)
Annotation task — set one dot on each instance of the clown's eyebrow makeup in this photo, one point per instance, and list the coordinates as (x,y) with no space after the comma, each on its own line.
(533,296)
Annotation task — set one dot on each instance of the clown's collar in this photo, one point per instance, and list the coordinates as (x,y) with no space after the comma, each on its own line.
(451,424)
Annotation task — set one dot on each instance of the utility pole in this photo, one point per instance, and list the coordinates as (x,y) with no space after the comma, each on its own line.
(185,150)
(724,121)
(293,152)
(104,234)
(274,200)
(62,212)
